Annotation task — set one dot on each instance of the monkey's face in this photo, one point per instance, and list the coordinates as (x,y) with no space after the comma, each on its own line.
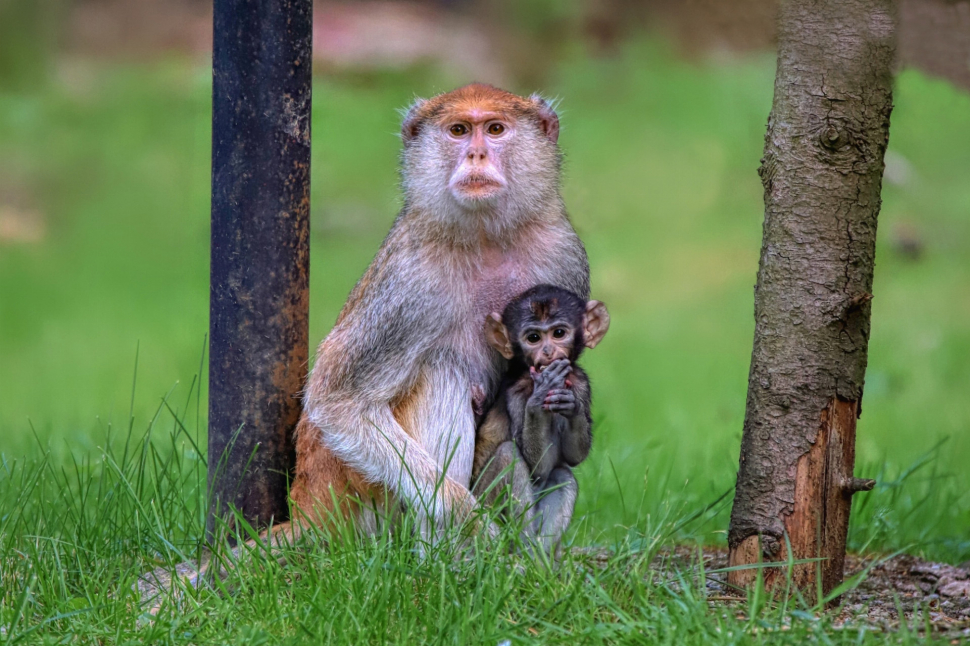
(481,152)
(544,324)
(542,343)
(476,143)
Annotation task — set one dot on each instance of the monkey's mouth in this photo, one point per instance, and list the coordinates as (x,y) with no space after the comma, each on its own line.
(477,186)
(542,364)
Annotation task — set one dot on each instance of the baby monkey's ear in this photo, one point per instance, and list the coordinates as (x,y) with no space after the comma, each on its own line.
(596,322)
(497,335)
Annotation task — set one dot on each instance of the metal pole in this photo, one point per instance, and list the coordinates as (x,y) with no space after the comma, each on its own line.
(259,305)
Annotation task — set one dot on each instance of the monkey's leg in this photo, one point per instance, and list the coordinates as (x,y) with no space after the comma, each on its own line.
(505,480)
(424,448)
(445,422)
(372,442)
(555,506)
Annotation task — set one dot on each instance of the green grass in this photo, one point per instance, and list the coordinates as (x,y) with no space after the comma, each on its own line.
(75,537)
(661,183)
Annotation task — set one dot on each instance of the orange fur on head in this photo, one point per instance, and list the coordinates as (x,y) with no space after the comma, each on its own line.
(481,163)
(475,102)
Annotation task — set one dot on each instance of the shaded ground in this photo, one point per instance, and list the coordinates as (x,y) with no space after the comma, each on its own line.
(934,35)
(927,595)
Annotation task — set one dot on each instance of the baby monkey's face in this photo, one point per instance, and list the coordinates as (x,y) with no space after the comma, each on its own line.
(543,343)
(546,324)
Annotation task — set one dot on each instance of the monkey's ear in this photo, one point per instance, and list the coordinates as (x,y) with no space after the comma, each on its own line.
(596,322)
(548,119)
(413,119)
(497,335)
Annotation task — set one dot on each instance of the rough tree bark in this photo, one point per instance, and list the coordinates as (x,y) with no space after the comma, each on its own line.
(822,174)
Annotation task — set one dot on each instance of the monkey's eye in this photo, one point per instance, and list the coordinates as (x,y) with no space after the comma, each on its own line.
(559,333)
(496,129)
(458,129)
(533,337)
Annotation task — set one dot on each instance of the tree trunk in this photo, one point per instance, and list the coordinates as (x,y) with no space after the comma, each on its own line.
(822,175)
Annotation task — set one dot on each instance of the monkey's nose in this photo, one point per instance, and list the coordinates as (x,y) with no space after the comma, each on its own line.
(475,155)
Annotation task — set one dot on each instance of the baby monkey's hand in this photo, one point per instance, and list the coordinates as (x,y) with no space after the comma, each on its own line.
(562,401)
(552,379)
(478,400)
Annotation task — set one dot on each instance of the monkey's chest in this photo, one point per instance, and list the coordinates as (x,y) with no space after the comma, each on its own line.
(497,281)
(486,289)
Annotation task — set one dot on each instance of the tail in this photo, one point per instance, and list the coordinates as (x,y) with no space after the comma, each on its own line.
(325,494)
(158,585)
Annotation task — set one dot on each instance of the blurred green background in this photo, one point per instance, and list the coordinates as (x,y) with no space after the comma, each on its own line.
(104,208)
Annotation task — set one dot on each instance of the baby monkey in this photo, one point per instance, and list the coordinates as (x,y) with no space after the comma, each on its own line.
(539,426)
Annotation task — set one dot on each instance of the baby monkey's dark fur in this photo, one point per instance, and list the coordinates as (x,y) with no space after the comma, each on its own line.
(539,426)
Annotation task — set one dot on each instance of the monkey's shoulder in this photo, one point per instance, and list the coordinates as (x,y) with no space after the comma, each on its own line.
(518,390)
(400,286)
(570,268)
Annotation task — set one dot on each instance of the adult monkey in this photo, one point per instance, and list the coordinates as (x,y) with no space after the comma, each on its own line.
(389,401)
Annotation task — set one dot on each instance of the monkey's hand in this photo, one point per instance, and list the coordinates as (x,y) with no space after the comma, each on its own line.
(562,401)
(478,400)
(552,378)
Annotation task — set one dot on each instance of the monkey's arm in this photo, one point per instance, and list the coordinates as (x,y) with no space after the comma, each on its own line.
(577,438)
(538,442)
(536,434)
(378,360)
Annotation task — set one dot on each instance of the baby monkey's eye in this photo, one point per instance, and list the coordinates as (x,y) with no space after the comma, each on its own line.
(533,338)
(458,129)
(559,333)
(496,129)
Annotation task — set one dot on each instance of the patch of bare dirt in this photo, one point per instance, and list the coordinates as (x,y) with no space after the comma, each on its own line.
(902,589)
(20,220)
(20,225)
